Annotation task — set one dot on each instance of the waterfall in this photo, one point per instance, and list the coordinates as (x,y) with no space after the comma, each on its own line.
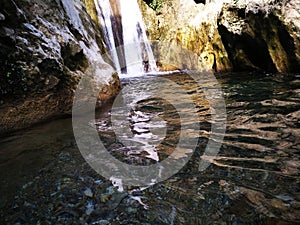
(124,30)
(104,12)
(137,48)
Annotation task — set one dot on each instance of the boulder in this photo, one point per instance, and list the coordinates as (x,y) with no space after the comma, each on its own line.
(47,47)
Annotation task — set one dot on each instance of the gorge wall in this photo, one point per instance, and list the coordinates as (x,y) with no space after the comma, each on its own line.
(230,35)
(47,46)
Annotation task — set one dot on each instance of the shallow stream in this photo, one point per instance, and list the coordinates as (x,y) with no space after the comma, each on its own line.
(254,179)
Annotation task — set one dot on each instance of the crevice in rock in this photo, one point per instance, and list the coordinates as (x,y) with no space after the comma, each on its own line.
(243,48)
(280,44)
(13,83)
(200,1)
(288,44)
(148,1)
(75,32)
(72,59)
(241,13)
(257,41)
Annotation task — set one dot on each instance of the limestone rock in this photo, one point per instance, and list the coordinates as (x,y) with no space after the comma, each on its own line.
(259,36)
(46,48)
(231,35)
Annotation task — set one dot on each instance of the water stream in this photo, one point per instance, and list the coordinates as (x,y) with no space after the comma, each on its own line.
(253,180)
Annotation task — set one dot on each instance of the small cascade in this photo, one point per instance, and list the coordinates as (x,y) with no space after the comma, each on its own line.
(125,36)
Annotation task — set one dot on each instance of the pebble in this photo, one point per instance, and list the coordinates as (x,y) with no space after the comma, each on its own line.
(88,192)
(285,197)
(89,208)
(101,222)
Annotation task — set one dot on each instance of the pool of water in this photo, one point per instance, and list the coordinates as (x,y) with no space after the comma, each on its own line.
(253,179)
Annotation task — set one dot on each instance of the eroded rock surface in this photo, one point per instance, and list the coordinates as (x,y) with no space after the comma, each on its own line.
(230,35)
(46,48)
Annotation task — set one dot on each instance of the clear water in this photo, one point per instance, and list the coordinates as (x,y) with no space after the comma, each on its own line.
(253,180)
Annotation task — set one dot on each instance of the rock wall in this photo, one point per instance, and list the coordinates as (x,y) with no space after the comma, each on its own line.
(262,36)
(231,35)
(189,25)
(47,46)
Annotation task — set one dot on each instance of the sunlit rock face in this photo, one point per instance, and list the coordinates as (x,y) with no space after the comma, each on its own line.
(190,25)
(46,48)
(230,35)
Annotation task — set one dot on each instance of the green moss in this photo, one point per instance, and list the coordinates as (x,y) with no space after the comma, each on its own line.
(156,5)
(13,82)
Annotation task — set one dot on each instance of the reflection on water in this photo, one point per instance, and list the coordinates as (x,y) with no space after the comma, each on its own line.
(253,180)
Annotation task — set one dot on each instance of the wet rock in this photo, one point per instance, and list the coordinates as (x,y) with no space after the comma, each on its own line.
(47,47)
(101,222)
(2,17)
(88,192)
(89,208)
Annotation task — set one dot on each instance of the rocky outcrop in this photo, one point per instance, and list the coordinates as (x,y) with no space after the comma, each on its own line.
(47,46)
(187,24)
(230,35)
(261,36)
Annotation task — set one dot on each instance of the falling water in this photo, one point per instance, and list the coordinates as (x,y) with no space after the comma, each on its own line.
(138,53)
(125,36)
(104,12)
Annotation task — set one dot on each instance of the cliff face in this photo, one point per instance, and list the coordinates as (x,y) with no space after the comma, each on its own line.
(47,46)
(231,35)
(190,25)
(262,36)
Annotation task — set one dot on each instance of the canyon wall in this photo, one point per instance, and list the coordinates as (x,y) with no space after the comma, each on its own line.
(47,46)
(230,35)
